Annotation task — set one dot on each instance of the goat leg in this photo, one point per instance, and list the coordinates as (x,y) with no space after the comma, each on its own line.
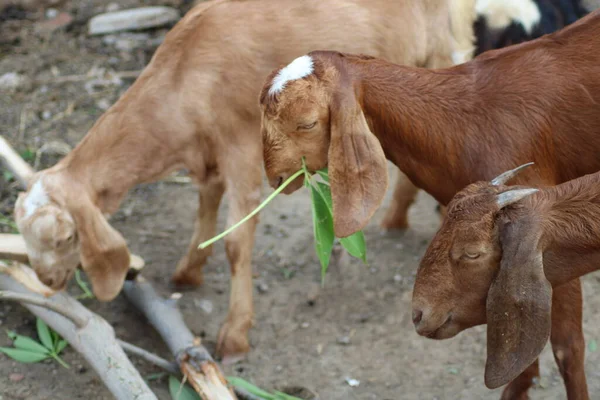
(189,268)
(403,197)
(568,344)
(517,389)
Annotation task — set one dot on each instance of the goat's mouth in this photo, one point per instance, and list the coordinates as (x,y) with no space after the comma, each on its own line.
(291,187)
(445,330)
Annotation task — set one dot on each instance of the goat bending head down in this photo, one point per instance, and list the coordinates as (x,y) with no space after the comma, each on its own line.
(62,231)
(311,109)
(479,268)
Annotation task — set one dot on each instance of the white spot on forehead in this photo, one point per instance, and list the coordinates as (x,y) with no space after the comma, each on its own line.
(36,198)
(499,14)
(297,69)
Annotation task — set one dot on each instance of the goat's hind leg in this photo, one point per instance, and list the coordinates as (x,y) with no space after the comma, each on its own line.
(189,268)
(517,389)
(403,197)
(568,343)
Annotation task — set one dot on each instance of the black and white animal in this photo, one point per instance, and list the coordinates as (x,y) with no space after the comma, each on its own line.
(501,23)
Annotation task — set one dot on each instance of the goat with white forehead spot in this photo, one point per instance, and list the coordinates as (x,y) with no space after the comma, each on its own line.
(194,107)
(496,258)
(444,129)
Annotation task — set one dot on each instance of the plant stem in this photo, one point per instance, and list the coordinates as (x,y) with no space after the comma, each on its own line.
(87,294)
(254,212)
(60,360)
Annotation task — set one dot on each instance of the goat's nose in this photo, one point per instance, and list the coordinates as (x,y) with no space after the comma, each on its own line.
(276,182)
(417,316)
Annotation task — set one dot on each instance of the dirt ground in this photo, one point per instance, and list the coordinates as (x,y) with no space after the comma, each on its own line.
(357,326)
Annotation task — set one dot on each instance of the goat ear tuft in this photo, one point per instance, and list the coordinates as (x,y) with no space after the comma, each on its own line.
(357,165)
(519,306)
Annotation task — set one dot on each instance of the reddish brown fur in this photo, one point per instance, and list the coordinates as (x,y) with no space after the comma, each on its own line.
(458,283)
(538,101)
(194,106)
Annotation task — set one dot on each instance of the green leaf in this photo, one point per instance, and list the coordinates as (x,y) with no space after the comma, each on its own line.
(60,346)
(355,245)
(44,334)
(24,356)
(25,343)
(250,388)
(181,391)
(324,174)
(322,227)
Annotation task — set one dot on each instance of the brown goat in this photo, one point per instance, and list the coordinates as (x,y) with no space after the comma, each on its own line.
(194,107)
(496,258)
(444,129)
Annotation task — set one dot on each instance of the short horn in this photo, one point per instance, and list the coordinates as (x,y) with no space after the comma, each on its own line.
(512,196)
(503,178)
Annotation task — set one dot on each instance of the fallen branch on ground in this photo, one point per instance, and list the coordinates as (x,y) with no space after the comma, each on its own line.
(193,359)
(94,340)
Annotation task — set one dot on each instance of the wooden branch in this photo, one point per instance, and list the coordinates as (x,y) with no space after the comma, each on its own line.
(12,247)
(150,357)
(77,320)
(95,341)
(194,360)
(13,161)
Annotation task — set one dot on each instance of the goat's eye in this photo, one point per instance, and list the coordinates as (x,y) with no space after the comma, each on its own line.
(471,256)
(307,126)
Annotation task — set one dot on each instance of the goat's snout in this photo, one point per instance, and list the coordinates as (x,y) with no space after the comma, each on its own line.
(431,324)
(417,316)
(276,181)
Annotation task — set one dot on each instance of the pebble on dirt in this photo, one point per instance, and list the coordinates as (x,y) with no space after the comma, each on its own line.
(11,81)
(132,19)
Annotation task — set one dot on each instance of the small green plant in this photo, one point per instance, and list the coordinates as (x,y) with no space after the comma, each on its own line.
(87,293)
(27,350)
(182,391)
(322,213)
(28,155)
(5,221)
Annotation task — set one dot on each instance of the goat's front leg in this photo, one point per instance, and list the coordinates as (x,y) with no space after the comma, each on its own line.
(243,191)
(567,339)
(189,268)
(404,196)
(517,389)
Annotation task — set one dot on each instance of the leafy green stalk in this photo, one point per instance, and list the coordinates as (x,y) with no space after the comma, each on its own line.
(253,213)
(322,213)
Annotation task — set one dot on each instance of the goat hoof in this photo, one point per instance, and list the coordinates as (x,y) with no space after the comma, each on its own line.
(232,345)
(394,225)
(187,278)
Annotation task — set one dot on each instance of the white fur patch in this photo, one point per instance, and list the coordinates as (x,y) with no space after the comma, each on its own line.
(500,13)
(297,69)
(459,57)
(36,198)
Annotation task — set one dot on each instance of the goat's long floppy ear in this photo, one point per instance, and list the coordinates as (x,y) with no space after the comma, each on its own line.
(519,305)
(104,254)
(357,165)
